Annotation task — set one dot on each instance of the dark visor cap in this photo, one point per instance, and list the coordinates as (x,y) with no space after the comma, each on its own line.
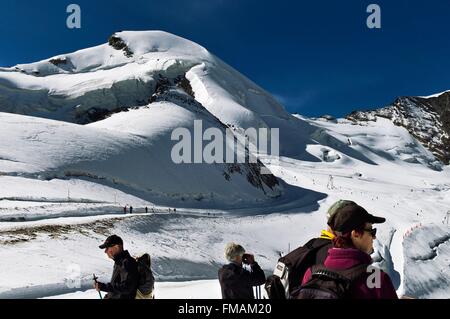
(350,216)
(111,241)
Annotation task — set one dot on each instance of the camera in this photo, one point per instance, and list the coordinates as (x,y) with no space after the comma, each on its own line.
(247,258)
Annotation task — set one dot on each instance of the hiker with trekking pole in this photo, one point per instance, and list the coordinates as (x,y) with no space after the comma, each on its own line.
(95,282)
(125,278)
(132,278)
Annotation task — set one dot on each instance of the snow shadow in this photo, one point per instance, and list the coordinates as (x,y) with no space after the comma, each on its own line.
(294,200)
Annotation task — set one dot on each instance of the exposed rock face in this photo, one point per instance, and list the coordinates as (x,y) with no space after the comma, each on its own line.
(427,119)
(118,44)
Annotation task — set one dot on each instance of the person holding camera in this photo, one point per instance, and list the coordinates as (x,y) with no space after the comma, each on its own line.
(236,281)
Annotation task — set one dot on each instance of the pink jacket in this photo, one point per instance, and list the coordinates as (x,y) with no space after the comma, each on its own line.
(341,259)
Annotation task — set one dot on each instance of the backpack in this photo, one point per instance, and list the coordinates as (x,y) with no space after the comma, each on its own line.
(326,283)
(290,269)
(146,279)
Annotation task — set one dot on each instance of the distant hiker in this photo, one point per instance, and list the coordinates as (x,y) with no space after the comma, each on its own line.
(330,184)
(146,210)
(125,278)
(125,210)
(290,269)
(237,282)
(446,218)
(131,209)
(345,271)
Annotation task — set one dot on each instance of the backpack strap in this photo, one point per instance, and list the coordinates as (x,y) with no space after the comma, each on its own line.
(348,275)
(355,273)
(317,243)
(312,246)
(322,271)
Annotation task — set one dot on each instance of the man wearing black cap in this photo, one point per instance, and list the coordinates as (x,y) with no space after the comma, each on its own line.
(125,277)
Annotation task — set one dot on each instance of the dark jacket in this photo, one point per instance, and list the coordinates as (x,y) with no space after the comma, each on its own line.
(237,282)
(298,261)
(124,280)
(341,259)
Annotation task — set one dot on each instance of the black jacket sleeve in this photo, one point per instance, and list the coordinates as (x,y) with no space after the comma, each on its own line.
(256,277)
(129,280)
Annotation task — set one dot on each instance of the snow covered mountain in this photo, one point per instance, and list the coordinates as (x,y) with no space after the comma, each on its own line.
(426,118)
(157,82)
(125,73)
(86,133)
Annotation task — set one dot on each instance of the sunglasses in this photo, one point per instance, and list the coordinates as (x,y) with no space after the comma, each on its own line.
(371,231)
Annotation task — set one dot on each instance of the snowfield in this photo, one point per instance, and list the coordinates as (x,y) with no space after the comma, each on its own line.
(204,289)
(87,133)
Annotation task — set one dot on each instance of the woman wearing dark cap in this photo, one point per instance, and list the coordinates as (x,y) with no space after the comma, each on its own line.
(352,246)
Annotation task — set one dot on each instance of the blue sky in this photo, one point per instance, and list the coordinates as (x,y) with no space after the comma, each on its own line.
(316,57)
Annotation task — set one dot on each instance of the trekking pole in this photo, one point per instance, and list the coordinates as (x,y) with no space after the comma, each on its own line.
(257,291)
(95,280)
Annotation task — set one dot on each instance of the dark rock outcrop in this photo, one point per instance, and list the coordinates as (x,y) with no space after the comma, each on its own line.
(426,119)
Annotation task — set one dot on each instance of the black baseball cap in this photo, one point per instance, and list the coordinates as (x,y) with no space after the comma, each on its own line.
(111,241)
(347,216)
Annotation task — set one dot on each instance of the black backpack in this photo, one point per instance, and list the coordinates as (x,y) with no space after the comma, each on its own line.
(330,284)
(290,269)
(146,279)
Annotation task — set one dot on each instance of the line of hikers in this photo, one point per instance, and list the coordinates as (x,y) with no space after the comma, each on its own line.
(131,209)
(337,265)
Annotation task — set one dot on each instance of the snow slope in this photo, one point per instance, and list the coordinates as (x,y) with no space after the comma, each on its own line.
(427,268)
(129,150)
(187,245)
(204,289)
